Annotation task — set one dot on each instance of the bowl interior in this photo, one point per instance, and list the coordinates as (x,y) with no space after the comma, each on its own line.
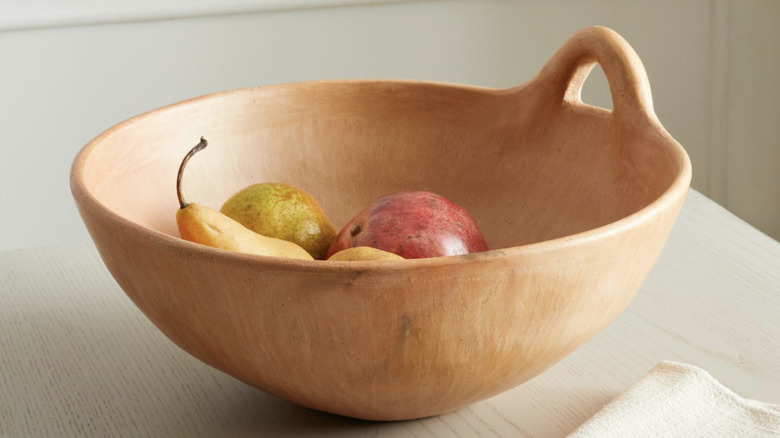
(526,171)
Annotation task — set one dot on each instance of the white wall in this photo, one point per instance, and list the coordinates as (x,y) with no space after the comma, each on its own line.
(73,68)
(750,161)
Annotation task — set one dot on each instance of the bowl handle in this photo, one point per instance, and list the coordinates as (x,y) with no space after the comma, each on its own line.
(565,73)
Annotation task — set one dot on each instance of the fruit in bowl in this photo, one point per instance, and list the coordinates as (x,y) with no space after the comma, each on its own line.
(363,253)
(209,227)
(414,224)
(285,212)
(581,200)
(281,220)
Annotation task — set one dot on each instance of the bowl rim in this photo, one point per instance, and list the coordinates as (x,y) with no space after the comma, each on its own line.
(87,200)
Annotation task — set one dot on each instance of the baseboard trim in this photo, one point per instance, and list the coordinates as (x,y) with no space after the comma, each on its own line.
(20,15)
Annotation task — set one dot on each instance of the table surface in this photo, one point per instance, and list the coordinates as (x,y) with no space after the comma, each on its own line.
(77,358)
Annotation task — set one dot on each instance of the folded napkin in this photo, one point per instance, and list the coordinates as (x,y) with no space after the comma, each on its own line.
(679,400)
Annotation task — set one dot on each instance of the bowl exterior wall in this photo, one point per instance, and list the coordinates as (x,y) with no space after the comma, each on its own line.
(383,344)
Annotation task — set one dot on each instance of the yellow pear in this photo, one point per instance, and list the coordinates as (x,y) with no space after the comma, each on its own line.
(208,226)
(363,253)
(284,212)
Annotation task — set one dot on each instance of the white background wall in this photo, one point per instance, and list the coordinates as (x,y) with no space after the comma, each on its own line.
(71,69)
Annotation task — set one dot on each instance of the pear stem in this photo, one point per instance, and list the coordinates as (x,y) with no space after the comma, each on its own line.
(202,145)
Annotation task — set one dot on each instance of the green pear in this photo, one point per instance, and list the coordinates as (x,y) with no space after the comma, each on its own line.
(284,212)
(208,226)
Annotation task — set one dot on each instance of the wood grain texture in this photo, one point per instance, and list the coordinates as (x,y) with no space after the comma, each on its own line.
(78,359)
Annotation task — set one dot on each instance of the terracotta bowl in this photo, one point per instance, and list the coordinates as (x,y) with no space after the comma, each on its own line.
(575,202)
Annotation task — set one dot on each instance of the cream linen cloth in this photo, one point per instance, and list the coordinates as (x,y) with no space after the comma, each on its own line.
(679,400)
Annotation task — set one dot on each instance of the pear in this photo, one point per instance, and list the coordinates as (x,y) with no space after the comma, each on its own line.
(208,226)
(363,253)
(284,212)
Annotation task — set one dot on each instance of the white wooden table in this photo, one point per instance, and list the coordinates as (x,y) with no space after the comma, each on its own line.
(78,359)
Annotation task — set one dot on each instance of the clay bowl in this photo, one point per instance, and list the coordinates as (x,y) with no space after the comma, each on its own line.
(575,202)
